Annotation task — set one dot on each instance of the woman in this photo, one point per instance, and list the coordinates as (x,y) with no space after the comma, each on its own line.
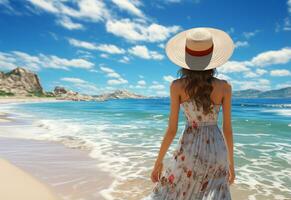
(202,165)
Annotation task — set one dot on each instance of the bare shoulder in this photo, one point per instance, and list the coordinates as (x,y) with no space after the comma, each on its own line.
(176,87)
(224,84)
(178,83)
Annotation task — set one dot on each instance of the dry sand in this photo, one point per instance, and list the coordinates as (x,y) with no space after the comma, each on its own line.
(4,100)
(16,184)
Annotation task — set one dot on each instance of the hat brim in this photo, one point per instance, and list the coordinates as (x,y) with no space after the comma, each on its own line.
(223,47)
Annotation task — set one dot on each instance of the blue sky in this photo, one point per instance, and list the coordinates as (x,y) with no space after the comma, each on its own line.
(94,46)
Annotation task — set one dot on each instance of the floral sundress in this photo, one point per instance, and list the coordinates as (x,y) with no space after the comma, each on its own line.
(199,165)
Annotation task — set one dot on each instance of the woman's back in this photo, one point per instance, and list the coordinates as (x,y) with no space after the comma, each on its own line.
(194,114)
(200,162)
(216,95)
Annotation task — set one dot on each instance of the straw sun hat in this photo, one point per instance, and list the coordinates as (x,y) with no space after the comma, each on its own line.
(200,48)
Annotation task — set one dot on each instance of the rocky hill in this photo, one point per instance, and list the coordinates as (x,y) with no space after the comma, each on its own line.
(120,94)
(62,93)
(20,82)
(250,93)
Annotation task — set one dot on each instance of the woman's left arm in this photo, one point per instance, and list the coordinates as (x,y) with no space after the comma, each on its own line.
(172,124)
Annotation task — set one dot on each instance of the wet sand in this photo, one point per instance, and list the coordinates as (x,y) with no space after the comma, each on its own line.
(70,173)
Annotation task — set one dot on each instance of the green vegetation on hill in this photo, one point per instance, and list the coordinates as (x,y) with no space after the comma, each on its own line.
(3,93)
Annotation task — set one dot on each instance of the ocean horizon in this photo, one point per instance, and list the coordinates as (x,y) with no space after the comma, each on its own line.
(124,135)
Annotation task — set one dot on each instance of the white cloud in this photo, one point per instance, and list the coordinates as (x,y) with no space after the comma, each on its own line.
(108,48)
(124,59)
(117,81)
(289,6)
(82,85)
(287,24)
(233,66)
(141,82)
(241,44)
(63,63)
(180,1)
(82,10)
(231,30)
(7,62)
(248,35)
(169,78)
(112,74)
(161,45)
(157,86)
(83,44)
(260,84)
(69,24)
(162,93)
(128,6)
(283,85)
(267,58)
(6,3)
(73,80)
(48,6)
(134,31)
(143,52)
(273,57)
(36,62)
(261,71)
(223,76)
(104,55)
(250,74)
(280,72)
(256,73)
(91,10)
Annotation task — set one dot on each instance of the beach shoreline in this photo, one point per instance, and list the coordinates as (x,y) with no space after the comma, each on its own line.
(67,172)
(14,179)
(66,163)
(9,100)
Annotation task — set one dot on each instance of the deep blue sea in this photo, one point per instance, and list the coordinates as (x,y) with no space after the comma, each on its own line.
(125,136)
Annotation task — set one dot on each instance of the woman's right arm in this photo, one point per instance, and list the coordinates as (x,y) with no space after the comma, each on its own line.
(227,127)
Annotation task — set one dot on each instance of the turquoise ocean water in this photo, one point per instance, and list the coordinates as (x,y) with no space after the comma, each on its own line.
(125,136)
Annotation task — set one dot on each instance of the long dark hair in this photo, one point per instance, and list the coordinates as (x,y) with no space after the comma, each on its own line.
(198,86)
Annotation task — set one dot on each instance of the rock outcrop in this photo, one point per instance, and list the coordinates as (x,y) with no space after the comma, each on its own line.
(120,94)
(66,94)
(62,93)
(20,82)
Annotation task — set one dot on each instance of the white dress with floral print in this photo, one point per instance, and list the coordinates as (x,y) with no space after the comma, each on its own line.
(199,165)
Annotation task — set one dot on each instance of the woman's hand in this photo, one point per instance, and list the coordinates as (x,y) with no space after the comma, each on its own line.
(231,174)
(156,172)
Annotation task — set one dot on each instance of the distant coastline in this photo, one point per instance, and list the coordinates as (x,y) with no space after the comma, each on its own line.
(252,93)
(21,83)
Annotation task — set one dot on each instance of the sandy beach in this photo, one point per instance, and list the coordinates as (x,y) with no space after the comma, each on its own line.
(5,100)
(56,172)
(45,170)
(17,184)
(42,166)
(66,169)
